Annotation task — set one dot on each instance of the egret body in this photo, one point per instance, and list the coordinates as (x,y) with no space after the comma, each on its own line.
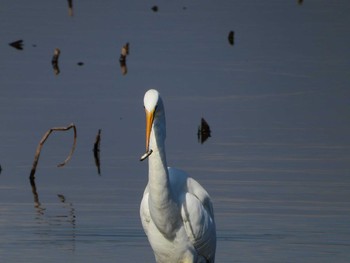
(176,211)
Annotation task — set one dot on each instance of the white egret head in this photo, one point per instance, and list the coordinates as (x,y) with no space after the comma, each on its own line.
(155,119)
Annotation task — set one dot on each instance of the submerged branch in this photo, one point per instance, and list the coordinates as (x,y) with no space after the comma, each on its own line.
(42,141)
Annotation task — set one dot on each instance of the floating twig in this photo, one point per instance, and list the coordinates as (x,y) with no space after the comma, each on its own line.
(42,141)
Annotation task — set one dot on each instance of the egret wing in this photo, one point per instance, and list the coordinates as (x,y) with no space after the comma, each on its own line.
(197,215)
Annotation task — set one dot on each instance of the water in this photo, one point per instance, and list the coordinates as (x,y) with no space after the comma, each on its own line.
(277,101)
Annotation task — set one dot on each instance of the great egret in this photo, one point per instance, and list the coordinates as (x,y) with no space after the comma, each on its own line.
(176,211)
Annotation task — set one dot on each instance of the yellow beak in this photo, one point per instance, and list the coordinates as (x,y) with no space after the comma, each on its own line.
(149,123)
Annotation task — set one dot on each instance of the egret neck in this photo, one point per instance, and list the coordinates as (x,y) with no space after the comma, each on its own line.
(163,207)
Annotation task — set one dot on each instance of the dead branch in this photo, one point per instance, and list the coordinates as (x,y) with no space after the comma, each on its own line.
(42,141)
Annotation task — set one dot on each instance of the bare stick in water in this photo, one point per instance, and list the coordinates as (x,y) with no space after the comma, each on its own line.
(42,141)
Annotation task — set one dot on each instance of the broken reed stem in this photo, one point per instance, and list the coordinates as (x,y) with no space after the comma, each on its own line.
(42,141)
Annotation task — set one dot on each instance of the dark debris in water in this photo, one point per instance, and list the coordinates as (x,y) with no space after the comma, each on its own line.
(123,67)
(54,61)
(122,59)
(70,7)
(18,44)
(154,8)
(203,131)
(231,38)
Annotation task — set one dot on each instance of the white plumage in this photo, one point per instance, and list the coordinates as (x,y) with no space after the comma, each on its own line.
(176,211)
